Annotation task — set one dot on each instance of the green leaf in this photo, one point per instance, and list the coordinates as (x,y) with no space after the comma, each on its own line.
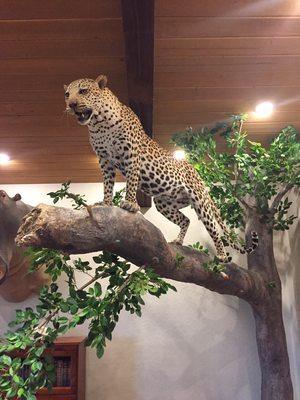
(16,379)
(100,351)
(21,392)
(6,360)
(36,366)
(97,289)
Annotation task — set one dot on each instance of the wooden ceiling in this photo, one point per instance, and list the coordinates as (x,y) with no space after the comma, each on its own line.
(44,44)
(211,59)
(216,58)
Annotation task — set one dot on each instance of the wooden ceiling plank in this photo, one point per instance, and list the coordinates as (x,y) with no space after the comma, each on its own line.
(287,94)
(46,66)
(265,128)
(225,79)
(234,8)
(206,117)
(251,68)
(233,46)
(44,82)
(61,29)
(220,61)
(224,106)
(36,95)
(67,48)
(34,9)
(195,27)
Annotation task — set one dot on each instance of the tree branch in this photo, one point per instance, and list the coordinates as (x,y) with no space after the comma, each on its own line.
(279,197)
(242,202)
(134,238)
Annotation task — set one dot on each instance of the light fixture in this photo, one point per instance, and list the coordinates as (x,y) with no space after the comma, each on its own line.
(179,155)
(4,159)
(264,109)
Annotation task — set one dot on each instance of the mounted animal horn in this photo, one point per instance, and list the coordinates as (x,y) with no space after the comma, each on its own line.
(15,283)
(3,271)
(17,197)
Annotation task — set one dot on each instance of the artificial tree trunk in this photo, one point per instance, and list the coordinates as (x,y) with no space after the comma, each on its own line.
(133,237)
(270,333)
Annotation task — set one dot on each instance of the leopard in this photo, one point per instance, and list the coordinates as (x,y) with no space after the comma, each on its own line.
(120,142)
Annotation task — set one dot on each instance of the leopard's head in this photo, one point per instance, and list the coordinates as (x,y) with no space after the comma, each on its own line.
(85,98)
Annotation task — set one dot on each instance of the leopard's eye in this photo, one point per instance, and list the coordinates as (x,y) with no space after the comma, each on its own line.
(67,94)
(83,91)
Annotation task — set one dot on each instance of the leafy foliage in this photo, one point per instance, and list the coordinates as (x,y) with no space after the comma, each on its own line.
(64,192)
(119,195)
(110,287)
(199,247)
(245,170)
(213,266)
(281,221)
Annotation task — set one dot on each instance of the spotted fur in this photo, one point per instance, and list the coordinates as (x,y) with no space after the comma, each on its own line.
(120,142)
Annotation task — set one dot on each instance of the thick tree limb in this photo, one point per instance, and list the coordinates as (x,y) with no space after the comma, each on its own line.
(280,196)
(134,238)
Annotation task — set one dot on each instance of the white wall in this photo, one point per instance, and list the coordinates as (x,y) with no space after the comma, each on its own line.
(189,345)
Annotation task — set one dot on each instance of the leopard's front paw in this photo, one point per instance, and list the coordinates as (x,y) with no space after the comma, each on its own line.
(127,205)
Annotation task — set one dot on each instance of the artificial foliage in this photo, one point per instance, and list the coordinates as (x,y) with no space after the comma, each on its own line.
(246,169)
(111,286)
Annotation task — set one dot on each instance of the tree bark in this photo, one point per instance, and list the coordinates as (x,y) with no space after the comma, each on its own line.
(137,240)
(272,349)
(134,238)
(270,333)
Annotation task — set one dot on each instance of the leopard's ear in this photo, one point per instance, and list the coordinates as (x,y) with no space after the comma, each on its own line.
(102,81)
(65,87)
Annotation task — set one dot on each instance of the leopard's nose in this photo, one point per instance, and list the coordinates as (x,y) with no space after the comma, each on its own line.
(73,104)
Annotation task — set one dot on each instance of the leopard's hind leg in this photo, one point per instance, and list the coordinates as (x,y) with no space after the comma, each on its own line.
(170,209)
(205,214)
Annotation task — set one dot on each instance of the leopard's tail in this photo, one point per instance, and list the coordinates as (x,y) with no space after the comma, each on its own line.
(228,241)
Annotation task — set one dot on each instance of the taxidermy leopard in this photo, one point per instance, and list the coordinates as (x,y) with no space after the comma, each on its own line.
(120,142)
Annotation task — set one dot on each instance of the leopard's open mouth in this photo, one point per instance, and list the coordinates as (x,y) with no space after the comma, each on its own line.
(84,116)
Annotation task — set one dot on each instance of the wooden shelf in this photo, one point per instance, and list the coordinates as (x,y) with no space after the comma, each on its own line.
(69,355)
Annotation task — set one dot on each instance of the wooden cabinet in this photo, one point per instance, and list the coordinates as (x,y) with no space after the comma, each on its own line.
(69,357)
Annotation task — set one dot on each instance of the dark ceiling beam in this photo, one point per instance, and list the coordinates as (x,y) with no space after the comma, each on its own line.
(138,26)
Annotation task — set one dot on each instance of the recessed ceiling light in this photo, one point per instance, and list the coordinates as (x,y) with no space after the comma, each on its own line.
(4,158)
(264,109)
(179,155)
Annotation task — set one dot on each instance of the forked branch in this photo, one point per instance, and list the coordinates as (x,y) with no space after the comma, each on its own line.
(280,196)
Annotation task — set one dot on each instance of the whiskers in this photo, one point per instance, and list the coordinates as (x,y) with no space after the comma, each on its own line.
(66,114)
(68,110)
